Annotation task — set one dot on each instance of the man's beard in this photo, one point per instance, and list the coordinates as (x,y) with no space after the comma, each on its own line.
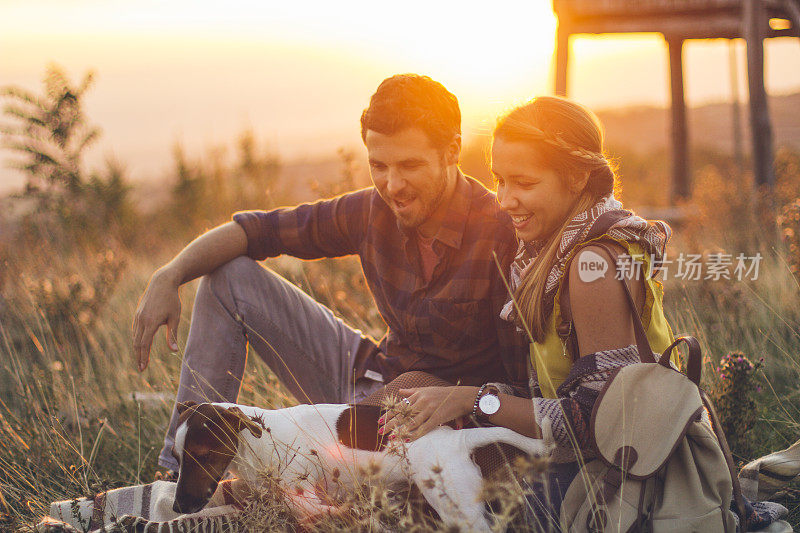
(433,204)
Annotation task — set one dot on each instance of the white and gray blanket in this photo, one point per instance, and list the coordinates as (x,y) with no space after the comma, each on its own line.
(142,508)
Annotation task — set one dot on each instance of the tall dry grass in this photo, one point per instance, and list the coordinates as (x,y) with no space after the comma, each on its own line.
(74,421)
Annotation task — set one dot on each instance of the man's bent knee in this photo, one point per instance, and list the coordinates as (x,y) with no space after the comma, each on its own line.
(241,272)
(245,270)
(237,268)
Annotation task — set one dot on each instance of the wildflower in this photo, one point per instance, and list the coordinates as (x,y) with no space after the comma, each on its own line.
(734,397)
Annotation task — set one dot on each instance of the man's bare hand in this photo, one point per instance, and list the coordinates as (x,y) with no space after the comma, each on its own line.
(159,305)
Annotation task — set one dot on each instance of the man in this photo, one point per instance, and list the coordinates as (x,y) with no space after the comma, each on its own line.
(426,236)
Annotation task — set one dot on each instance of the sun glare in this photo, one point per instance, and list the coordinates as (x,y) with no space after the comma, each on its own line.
(485,51)
(300,73)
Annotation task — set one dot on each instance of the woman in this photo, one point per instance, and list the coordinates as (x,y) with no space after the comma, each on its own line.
(555,182)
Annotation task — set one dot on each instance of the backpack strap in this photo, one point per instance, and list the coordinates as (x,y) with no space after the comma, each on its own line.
(738,498)
(567,332)
(694,362)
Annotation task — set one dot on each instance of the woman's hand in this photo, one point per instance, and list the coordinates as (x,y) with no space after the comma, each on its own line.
(427,408)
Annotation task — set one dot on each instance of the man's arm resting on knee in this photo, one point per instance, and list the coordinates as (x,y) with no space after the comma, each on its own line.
(206,253)
(160,303)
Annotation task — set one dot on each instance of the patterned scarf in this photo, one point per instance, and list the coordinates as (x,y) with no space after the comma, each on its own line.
(651,235)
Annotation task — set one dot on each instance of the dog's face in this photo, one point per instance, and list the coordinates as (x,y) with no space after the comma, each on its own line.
(205,444)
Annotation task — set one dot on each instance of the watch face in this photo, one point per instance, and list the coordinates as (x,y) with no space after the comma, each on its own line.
(489,404)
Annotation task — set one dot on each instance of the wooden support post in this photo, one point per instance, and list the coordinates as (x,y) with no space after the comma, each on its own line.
(736,108)
(793,9)
(562,60)
(755,20)
(680,143)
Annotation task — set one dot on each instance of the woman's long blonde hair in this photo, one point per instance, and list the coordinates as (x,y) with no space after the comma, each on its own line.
(568,138)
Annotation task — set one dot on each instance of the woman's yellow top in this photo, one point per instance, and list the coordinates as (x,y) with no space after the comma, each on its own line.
(550,358)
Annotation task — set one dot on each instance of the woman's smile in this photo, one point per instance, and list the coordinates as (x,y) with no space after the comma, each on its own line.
(520,221)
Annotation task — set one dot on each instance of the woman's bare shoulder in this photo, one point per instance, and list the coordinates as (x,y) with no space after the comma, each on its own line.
(600,310)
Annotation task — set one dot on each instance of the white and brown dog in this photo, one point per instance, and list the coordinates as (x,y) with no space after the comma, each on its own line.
(316,450)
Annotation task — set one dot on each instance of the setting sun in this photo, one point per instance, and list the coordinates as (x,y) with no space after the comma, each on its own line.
(299,73)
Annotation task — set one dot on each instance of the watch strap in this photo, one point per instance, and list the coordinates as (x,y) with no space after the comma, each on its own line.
(485,390)
(478,399)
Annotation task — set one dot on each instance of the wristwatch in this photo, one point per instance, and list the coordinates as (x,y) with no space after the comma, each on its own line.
(487,402)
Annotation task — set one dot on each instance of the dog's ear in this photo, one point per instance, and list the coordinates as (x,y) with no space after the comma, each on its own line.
(182,406)
(242,421)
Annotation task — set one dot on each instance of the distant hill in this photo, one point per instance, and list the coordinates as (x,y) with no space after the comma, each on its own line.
(643,129)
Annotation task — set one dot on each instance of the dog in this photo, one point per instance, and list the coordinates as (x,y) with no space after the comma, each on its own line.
(319,450)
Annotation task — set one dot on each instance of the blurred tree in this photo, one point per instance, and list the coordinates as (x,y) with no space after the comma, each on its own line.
(207,189)
(218,184)
(188,191)
(257,174)
(51,133)
(109,200)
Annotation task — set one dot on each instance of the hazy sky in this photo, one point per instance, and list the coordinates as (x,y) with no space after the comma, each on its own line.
(299,73)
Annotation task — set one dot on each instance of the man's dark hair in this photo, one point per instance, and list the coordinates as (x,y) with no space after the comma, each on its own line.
(410,100)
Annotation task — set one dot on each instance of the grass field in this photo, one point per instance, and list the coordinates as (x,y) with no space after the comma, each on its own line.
(71,424)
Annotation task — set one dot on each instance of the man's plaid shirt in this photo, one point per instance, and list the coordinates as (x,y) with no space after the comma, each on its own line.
(450,326)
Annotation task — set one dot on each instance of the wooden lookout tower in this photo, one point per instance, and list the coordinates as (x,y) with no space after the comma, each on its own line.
(677,21)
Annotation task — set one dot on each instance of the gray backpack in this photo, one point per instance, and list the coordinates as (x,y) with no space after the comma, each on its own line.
(662,462)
